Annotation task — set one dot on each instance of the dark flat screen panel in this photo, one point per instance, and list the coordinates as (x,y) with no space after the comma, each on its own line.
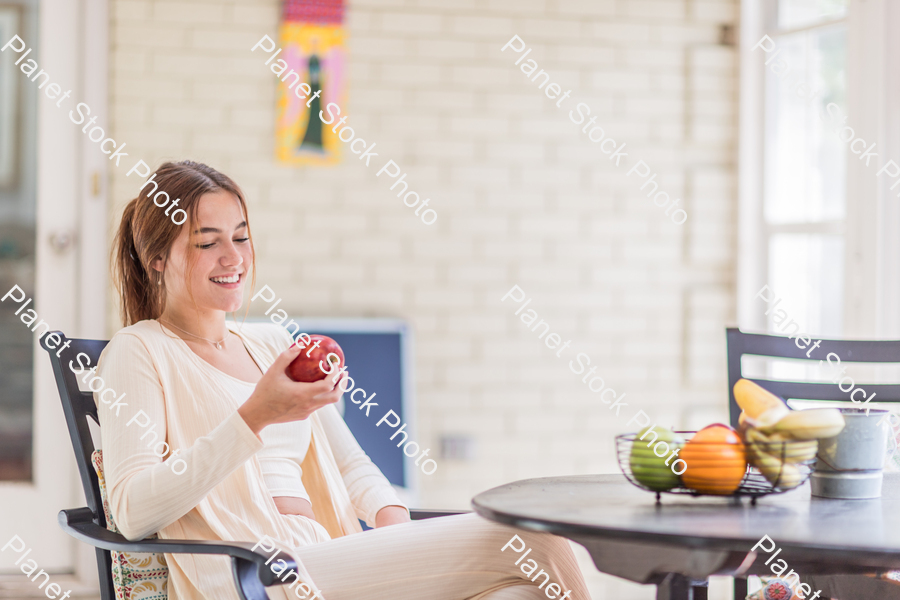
(374,361)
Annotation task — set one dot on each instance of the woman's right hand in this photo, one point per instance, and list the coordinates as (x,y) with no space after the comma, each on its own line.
(279,399)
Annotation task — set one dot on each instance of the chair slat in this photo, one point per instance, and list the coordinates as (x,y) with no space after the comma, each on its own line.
(875,351)
(85,403)
(773,346)
(827,391)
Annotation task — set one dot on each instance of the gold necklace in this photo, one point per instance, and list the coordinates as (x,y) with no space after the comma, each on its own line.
(218,344)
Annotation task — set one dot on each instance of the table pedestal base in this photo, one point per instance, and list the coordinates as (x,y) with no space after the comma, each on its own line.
(646,563)
(679,587)
(679,573)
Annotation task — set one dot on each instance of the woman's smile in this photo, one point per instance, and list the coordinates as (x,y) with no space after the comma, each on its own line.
(230,282)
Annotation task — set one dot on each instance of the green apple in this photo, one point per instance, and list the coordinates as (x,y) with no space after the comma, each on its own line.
(649,469)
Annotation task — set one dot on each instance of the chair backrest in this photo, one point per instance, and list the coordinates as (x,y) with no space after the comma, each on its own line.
(868,351)
(77,407)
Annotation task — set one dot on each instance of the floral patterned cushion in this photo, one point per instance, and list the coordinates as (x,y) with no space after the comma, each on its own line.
(136,576)
(775,588)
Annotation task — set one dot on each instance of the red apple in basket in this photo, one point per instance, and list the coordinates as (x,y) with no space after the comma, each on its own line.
(320,348)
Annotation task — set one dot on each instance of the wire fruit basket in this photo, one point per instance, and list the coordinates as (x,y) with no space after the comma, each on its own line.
(772,467)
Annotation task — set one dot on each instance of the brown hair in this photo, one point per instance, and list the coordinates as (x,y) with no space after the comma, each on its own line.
(146,232)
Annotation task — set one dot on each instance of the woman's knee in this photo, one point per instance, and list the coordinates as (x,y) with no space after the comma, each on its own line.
(543,547)
(546,549)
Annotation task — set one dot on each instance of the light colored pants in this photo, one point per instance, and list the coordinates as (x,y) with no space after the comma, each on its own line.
(447,558)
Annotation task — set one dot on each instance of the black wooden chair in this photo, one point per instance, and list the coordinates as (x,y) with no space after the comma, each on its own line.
(88,524)
(868,351)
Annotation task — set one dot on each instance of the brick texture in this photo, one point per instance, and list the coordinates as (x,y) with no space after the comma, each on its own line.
(523,198)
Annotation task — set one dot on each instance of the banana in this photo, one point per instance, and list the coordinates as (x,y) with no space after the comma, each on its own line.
(783,447)
(768,465)
(756,443)
(790,477)
(779,473)
(771,417)
(800,451)
(760,404)
(744,422)
(809,424)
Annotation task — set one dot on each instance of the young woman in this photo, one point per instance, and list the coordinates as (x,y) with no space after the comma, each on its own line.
(264,457)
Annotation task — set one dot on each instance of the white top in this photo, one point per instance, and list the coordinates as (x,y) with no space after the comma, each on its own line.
(230,475)
(284,451)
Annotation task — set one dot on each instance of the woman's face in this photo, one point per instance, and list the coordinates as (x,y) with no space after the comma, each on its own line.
(221,247)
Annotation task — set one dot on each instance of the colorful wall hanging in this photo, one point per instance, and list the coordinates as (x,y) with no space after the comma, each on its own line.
(312,35)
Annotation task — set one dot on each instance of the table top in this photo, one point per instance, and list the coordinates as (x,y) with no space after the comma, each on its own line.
(608,507)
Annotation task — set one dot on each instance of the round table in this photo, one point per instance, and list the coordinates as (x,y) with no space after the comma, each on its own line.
(630,535)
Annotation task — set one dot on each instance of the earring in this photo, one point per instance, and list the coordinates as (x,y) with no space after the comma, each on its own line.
(159,279)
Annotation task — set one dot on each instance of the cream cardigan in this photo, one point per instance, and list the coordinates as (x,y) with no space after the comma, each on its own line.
(225,493)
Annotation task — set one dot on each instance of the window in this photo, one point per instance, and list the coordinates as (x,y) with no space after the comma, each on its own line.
(804,161)
(798,198)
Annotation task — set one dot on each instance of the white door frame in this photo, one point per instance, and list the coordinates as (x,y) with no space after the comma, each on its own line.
(873,211)
(866,36)
(93,245)
(752,250)
(70,286)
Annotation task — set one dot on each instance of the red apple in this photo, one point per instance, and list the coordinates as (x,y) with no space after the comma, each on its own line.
(306,366)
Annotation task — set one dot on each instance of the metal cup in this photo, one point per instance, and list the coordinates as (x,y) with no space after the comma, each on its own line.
(850,465)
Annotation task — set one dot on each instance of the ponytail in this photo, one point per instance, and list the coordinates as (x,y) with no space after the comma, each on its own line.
(138,298)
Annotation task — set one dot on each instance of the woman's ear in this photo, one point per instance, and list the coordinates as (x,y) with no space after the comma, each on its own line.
(158,264)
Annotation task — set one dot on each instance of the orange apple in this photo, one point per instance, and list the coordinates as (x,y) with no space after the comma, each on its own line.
(716,460)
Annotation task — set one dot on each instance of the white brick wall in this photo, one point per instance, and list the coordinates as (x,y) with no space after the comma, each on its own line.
(523,198)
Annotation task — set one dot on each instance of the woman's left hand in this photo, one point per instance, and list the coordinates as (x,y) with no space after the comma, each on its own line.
(391,515)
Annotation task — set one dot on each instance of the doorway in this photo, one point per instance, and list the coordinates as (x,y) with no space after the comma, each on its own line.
(53,246)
